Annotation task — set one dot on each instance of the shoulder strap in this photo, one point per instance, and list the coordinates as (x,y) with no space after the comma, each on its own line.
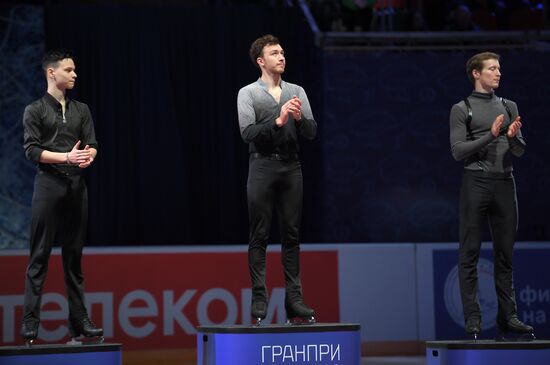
(469,119)
(504,127)
(503,101)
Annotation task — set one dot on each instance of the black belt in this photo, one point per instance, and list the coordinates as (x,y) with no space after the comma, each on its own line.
(490,175)
(60,169)
(275,156)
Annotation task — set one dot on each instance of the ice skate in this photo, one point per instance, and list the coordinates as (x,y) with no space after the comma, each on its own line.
(473,327)
(29,331)
(83,330)
(258,311)
(298,312)
(514,330)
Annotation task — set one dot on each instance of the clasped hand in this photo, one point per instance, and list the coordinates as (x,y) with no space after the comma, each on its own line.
(293,107)
(83,158)
(512,130)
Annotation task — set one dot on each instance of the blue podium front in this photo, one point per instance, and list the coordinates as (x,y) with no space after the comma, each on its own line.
(88,354)
(327,344)
(484,352)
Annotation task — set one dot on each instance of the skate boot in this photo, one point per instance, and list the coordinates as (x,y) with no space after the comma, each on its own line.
(84,330)
(297,312)
(258,311)
(514,330)
(473,327)
(29,331)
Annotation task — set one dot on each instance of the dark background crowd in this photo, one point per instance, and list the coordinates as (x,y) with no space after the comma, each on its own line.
(429,15)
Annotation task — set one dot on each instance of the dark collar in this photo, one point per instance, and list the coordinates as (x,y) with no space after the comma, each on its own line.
(53,101)
(477,94)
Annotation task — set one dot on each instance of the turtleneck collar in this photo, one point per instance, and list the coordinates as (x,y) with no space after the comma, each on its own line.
(481,95)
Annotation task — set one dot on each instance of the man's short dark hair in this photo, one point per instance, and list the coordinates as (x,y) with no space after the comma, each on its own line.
(258,45)
(476,62)
(51,58)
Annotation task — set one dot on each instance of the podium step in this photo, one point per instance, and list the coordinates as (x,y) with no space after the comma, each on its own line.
(320,343)
(87,354)
(488,352)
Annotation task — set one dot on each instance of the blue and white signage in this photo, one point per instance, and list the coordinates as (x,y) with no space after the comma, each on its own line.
(531,284)
(278,345)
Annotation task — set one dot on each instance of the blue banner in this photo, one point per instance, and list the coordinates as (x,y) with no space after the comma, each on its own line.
(303,348)
(531,282)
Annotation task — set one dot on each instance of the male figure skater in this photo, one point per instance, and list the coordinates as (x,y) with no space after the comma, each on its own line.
(55,127)
(272,113)
(485,133)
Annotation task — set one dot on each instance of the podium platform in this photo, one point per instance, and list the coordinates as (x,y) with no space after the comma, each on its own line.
(488,352)
(86,354)
(322,343)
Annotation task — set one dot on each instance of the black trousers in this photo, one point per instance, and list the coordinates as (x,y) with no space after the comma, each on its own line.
(491,198)
(274,184)
(59,216)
